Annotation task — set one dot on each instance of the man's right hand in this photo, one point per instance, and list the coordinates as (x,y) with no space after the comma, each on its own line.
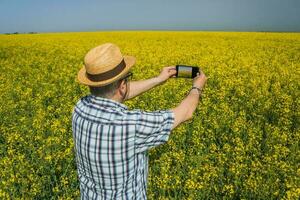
(200,80)
(184,111)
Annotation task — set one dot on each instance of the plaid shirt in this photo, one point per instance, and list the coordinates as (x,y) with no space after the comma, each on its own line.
(111,144)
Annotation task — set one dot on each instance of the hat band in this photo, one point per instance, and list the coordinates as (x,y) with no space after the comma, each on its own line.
(109,74)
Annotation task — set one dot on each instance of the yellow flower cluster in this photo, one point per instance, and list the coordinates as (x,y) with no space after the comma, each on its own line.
(243,141)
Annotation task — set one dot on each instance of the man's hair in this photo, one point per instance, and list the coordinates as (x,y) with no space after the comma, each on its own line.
(106,91)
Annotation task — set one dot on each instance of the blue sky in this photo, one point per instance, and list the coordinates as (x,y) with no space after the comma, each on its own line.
(92,15)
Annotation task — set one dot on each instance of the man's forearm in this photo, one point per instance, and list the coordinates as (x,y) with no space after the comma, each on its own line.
(139,87)
(184,111)
(190,103)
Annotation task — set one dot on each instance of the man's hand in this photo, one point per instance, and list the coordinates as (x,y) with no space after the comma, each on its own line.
(184,111)
(200,80)
(138,87)
(166,73)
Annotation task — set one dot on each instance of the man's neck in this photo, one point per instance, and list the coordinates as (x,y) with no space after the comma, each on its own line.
(116,98)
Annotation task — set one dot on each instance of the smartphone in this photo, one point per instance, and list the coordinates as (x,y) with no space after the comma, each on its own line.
(185,71)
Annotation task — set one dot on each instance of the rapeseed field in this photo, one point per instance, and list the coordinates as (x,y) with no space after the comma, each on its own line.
(243,141)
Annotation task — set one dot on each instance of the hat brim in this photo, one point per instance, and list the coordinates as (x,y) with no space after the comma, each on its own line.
(82,78)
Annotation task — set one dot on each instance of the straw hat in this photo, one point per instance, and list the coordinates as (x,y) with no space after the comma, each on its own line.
(103,65)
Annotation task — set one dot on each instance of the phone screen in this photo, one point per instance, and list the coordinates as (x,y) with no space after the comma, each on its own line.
(185,71)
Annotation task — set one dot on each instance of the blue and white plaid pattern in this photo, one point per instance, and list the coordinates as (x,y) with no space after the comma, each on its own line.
(111,144)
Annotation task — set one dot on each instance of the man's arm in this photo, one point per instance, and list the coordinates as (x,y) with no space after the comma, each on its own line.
(184,111)
(138,87)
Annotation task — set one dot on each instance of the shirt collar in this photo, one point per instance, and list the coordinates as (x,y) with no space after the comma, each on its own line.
(106,102)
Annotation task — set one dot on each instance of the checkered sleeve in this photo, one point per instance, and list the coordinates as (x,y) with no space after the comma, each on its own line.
(153,128)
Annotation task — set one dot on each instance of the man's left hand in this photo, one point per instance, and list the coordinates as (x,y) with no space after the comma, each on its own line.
(166,73)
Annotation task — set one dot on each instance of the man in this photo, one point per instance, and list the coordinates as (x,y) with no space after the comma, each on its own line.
(111,141)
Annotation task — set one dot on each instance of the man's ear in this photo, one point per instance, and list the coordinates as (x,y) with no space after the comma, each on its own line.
(122,84)
(121,87)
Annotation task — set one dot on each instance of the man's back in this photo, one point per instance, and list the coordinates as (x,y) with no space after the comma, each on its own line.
(111,143)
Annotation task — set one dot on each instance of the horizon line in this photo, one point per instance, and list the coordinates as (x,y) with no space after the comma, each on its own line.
(145,30)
